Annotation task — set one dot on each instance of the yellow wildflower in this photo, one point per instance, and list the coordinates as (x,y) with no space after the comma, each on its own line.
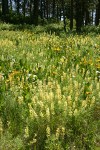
(88,93)
(57,48)
(98,60)
(98,66)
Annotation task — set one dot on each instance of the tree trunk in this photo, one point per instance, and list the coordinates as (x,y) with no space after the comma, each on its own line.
(11,5)
(31,10)
(47,9)
(53,11)
(60,15)
(71,15)
(57,12)
(83,12)
(24,4)
(92,16)
(41,9)
(79,17)
(18,7)
(97,19)
(36,12)
(64,18)
(44,9)
(5,8)
(87,18)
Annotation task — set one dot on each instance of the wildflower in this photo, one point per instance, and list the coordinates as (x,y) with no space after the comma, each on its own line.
(95,45)
(58,92)
(77,68)
(62,59)
(90,62)
(69,100)
(93,100)
(84,103)
(52,108)
(88,93)
(41,94)
(1,127)
(98,77)
(98,66)
(48,114)
(33,114)
(75,112)
(57,48)
(97,72)
(54,73)
(41,114)
(57,133)
(33,141)
(26,132)
(48,131)
(63,131)
(12,74)
(76,84)
(98,60)
(20,100)
(98,86)
(1,77)
(51,95)
(91,87)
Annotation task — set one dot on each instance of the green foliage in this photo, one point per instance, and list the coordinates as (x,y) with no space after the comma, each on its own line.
(8,142)
(91,29)
(49,89)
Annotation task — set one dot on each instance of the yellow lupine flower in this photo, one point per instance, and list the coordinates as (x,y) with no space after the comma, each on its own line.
(98,66)
(26,132)
(88,93)
(69,101)
(57,132)
(75,112)
(12,74)
(48,131)
(1,127)
(84,103)
(57,48)
(98,60)
(1,77)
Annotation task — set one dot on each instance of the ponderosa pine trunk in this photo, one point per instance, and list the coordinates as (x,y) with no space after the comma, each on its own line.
(53,11)
(36,12)
(71,15)
(5,8)
(97,19)
(79,17)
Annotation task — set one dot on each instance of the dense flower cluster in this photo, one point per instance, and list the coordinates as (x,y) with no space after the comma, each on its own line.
(50,88)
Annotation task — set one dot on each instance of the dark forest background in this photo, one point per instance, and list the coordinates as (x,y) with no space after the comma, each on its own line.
(84,12)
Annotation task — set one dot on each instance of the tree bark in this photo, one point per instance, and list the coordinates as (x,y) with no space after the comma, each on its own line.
(64,18)
(87,18)
(36,12)
(47,4)
(5,8)
(18,6)
(79,17)
(57,12)
(97,19)
(71,15)
(11,5)
(24,4)
(53,11)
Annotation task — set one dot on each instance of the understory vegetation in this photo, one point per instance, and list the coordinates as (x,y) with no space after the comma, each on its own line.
(49,88)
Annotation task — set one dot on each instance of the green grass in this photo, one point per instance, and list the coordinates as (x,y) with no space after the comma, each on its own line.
(97,148)
(50,89)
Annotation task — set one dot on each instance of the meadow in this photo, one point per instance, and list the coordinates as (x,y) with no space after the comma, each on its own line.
(49,90)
